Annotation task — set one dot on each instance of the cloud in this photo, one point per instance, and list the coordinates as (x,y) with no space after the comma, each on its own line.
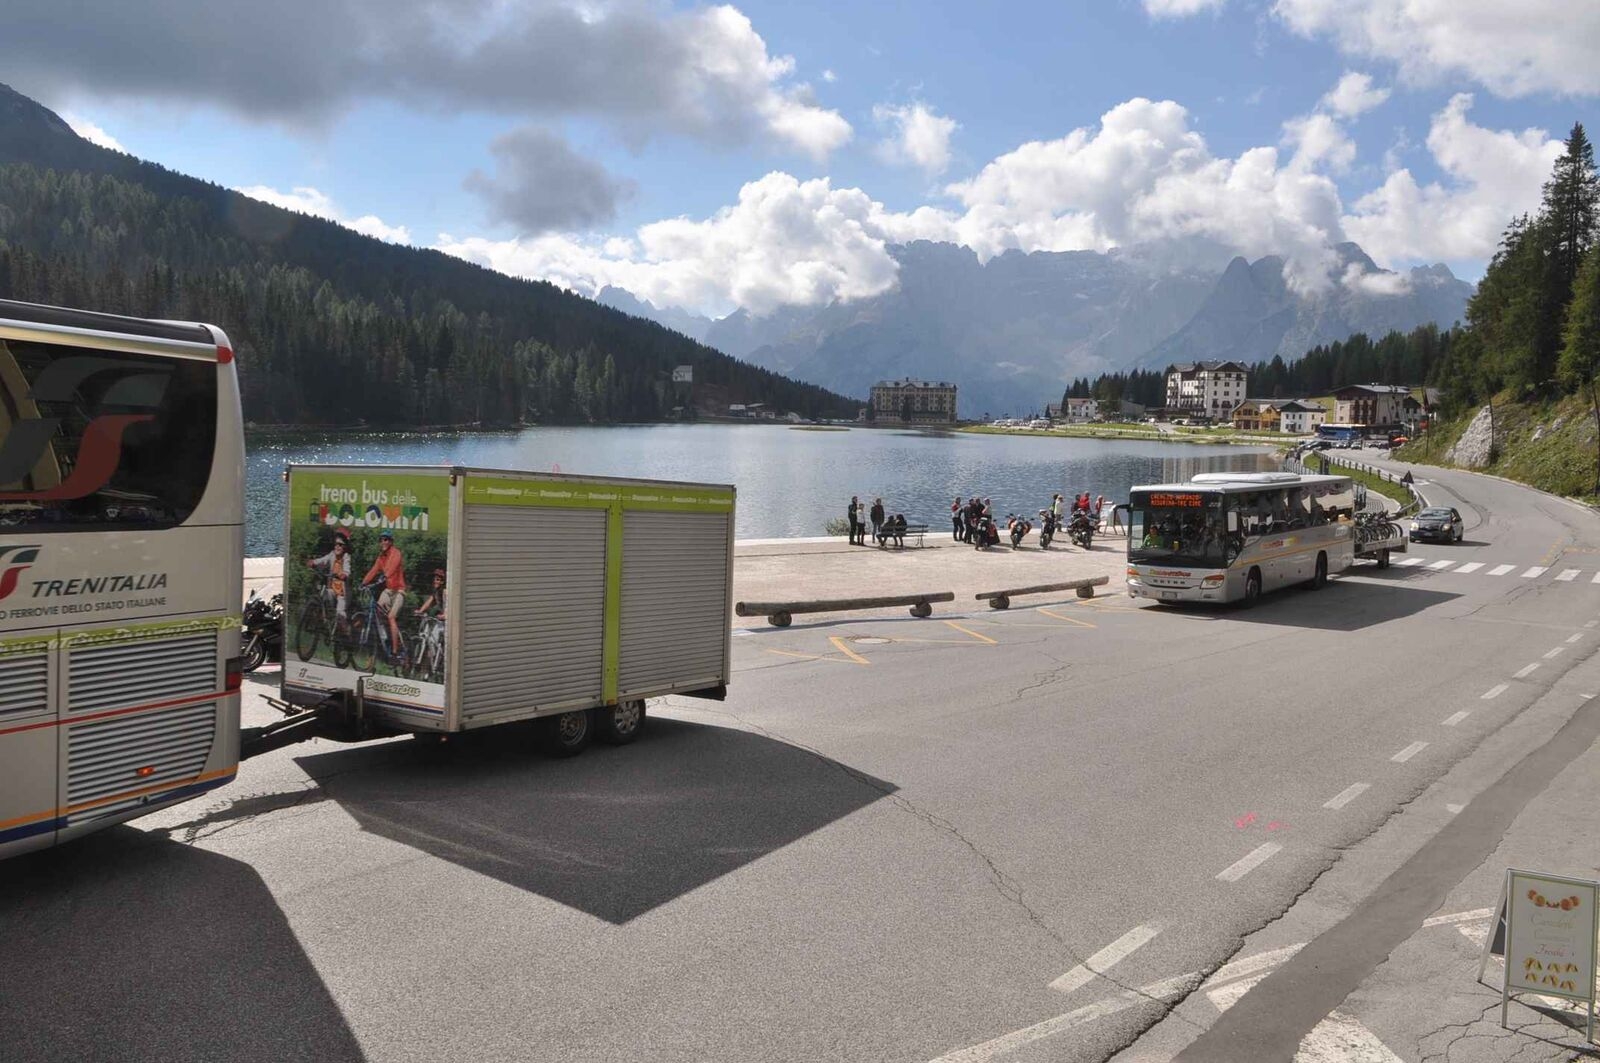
(1492,176)
(1319,140)
(829,76)
(308,200)
(1180,8)
(92,133)
(640,66)
(1354,95)
(920,138)
(541,184)
(1512,49)
(1358,278)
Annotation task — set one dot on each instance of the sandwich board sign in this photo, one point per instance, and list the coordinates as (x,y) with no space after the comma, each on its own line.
(1546,926)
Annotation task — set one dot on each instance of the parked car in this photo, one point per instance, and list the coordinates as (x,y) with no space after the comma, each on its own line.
(1438,524)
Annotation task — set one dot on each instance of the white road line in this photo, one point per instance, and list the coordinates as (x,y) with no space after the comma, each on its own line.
(1470,566)
(1499,570)
(1594,623)
(1567,575)
(1596,578)
(1254,859)
(1440,564)
(1459,917)
(1408,562)
(1574,638)
(1345,796)
(1408,752)
(1454,718)
(1526,670)
(1557,652)
(1105,959)
(1453,809)
(1535,571)
(1341,1038)
(1494,692)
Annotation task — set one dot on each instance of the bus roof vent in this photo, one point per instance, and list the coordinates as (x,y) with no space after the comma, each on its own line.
(1245,478)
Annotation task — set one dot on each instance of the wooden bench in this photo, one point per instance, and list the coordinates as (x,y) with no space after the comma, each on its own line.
(913,531)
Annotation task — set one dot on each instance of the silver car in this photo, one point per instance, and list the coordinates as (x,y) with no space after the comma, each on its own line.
(1438,524)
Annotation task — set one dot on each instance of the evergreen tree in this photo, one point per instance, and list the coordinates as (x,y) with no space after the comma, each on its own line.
(1580,353)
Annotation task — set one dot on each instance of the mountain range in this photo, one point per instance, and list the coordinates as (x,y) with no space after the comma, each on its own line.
(1011,331)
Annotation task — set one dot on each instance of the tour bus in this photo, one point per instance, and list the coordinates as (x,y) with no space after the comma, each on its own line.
(1225,537)
(121,557)
(1342,433)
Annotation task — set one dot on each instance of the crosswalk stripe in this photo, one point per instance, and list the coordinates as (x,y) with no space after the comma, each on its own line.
(1568,575)
(1408,562)
(1436,565)
(1500,570)
(1536,570)
(1596,578)
(1470,566)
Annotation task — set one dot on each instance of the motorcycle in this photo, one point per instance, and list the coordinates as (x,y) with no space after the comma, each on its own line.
(262,635)
(1081,530)
(984,533)
(1047,528)
(1019,530)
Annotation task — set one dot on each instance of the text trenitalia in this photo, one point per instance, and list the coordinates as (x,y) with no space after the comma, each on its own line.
(61,588)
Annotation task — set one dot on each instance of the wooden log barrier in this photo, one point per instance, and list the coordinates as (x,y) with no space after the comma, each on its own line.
(779,614)
(1085,588)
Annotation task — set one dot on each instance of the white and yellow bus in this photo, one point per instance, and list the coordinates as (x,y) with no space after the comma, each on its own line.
(1227,537)
(121,549)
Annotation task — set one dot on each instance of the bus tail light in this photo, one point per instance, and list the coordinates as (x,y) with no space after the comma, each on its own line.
(224,355)
(234,674)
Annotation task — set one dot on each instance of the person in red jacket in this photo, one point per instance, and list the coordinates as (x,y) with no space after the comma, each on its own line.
(392,567)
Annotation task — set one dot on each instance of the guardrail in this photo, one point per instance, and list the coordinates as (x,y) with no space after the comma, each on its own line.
(1085,588)
(1411,499)
(779,614)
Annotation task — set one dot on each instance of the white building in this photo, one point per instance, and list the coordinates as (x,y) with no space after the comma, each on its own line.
(1298,417)
(1207,389)
(914,401)
(1082,409)
(1375,405)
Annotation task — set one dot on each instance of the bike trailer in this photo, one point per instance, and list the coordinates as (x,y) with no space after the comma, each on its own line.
(515,595)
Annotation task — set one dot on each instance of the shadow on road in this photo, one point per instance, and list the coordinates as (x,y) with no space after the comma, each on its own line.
(125,946)
(615,832)
(1340,606)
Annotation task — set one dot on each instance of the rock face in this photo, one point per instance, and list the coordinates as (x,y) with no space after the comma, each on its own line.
(1472,449)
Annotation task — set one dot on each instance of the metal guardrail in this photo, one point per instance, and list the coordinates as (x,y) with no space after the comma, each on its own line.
(779,614)
(1085,588)
(1411,499)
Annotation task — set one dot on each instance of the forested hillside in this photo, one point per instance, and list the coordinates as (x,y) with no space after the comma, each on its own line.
(332,327)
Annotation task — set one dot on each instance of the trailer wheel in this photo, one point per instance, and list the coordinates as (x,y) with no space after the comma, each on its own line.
(568,733)
(621,723)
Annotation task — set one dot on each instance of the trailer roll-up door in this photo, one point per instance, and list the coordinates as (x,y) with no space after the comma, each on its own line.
(675,590)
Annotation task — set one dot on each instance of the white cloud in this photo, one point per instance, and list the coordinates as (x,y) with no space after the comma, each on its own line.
(1492,176)
(1361,279)
(1513,49)
(1319,140)
(92,133)
(920,138)
(1180,8)
(829,76)
(308,200)
(1354,95)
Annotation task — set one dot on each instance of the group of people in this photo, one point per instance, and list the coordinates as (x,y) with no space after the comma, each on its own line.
(885,528)
(972,518)
(388,571)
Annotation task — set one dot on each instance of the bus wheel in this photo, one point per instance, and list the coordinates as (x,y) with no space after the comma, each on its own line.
(1252,588)
(1383,559)
(621,723)
(567,734)
(1319,579)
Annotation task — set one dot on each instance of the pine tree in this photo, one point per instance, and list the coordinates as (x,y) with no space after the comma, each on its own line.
(1572,206)
(1580,353)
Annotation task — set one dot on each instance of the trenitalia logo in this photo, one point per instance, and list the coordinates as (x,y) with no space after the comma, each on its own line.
(100,449)
(17,560)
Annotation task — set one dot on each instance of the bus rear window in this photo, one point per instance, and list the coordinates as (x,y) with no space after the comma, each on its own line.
(100,440)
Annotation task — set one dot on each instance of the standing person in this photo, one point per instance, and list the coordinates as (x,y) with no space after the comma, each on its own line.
(1099,504)
(1055,508)
(853,510)
(877,518)
(392,567)
(957,525)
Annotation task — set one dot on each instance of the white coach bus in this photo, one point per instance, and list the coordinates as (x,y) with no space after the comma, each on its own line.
(121,549)
(1226,537)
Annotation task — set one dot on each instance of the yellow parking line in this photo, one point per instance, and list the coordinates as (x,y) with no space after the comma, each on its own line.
(974,634)
(838,644)
(1068,619)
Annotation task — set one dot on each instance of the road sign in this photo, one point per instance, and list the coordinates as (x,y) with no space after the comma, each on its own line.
(1546,926)
(684,374)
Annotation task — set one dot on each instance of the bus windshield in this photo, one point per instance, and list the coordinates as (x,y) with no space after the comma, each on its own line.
(96,440)
(1177,527)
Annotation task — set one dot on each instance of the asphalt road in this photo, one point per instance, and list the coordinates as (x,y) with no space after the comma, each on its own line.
(886,845)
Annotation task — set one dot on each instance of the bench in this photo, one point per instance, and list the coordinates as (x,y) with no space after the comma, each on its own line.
(913,531)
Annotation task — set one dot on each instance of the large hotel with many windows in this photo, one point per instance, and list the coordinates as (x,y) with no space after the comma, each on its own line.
(1208,389)
(914,401)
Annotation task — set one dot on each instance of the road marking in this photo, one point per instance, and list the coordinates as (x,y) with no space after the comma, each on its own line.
(1345,796)
(814,657)
(1454,718)
(1254,859)
(839,644)
(1535,571)
(1557,652)
(1459,917)
(1453,809)
(1494,692)
(1567,575)
(1341,1038)
(1526,670)
(1408,562)
(1594,623)
(974,634)
(1470,566)
(1105,959)
(742,631)
(1499,570)
(1574,638)
(1440,564)
(1068,619)
(1408,752)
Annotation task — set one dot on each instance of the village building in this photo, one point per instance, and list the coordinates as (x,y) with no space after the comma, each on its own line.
(914,402)
(1205,389)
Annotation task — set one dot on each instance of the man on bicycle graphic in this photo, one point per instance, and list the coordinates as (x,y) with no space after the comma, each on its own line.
(392,567)
(336,564)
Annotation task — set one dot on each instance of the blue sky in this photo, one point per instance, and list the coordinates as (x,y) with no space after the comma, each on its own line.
(767,154)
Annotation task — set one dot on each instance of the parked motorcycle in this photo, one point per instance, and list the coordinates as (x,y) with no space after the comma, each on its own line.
(1018,528)
(985,534)
(1047,528)
(1081,530)
(262,636)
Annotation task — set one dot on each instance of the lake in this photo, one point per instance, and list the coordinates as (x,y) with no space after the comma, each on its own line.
(790,481)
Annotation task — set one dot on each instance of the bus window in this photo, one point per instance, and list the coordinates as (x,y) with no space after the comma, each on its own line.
(1177,528)
(96,441)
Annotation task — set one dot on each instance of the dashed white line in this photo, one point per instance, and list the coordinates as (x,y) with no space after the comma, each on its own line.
(1494,691)
(1408,752)
(1557,652)
(1440,564)
(1525,671)
(1574,638)
(1567,575)
(1408,562)
(1254,859)
(1105,959)
(1470,566)
(1345,796)
(1535,571)
(1452,809)
(1454,718)
(1594,623)
(1500,570)
(1596,578)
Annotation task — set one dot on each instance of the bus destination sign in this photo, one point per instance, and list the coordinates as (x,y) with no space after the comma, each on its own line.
(1184,500)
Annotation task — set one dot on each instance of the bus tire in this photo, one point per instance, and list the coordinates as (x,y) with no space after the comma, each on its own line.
(566,734)
(1319,578)
(1383,559)
(1252,588)
(619,724)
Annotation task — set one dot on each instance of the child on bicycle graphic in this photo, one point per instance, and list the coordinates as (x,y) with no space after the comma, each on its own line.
(335,565)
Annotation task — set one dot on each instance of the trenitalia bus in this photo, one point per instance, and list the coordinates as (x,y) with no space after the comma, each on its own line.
(121,550)
(1225,537)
